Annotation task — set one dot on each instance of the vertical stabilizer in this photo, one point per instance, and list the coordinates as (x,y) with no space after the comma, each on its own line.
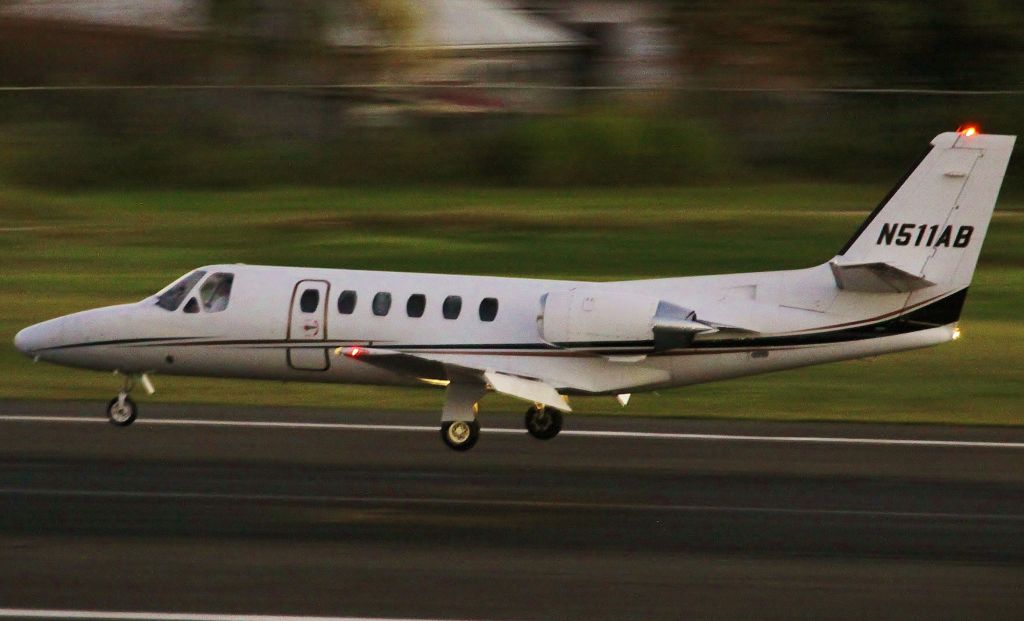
(928,232)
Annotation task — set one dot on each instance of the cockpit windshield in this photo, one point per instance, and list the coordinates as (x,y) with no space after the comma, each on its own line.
(216,292)
(172,297)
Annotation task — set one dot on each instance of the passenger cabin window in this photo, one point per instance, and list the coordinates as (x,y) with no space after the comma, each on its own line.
(416,305)
(309,301)
(347,302)
(174,295)
(452,307)
(216,292)
(381,303)
(488,309)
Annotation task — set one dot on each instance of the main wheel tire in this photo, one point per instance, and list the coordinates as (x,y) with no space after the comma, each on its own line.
(543,423)
(460,435)
(121,414)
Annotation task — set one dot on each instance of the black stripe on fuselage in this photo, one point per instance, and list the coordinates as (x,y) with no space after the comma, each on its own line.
(149,340)
(939,313)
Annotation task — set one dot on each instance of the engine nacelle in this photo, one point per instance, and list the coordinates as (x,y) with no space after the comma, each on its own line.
(594,319)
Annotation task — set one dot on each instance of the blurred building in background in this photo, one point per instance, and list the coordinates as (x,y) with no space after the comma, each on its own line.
(450,52)
(428,43)
(447,47)
(495,91)
(630,43)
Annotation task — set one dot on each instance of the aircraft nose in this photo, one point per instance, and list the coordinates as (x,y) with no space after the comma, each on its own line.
(25,340)
(34,338)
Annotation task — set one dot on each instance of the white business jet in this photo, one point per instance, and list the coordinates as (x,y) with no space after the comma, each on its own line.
(898,284)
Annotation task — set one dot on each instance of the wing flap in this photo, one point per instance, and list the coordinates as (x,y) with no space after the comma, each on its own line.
(588,375)
(527,389)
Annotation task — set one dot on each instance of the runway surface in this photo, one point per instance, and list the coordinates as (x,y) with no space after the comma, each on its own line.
(200,510)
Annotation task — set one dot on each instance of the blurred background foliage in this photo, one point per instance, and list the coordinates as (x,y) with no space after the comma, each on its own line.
(242,93)
(954,44)
(703,139)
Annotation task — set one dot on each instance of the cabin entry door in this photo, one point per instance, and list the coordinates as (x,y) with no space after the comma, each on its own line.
(307,326)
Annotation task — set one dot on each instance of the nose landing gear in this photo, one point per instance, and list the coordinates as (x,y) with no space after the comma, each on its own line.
(121,410)
(543,422)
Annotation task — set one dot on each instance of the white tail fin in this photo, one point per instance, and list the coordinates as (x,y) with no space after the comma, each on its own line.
(929,230)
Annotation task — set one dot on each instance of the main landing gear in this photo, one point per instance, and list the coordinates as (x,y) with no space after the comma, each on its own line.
(460,429)
(121,410)
(543,422)
(460,435)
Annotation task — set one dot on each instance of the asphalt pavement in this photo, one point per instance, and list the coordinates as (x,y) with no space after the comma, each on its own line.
(292,511)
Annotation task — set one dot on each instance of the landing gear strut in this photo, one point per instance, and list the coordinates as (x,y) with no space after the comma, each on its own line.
(543,422)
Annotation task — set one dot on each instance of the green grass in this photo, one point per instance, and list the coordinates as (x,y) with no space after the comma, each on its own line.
(65,252)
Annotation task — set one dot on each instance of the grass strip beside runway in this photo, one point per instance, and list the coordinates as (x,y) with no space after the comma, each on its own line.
(65,252)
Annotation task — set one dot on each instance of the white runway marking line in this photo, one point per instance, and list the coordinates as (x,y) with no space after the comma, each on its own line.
(580,433)
(32,613)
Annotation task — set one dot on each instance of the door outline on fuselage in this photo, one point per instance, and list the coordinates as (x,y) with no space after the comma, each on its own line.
(306,358)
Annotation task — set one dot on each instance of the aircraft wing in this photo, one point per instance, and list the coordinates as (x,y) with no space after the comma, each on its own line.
(537,380)
(435,368)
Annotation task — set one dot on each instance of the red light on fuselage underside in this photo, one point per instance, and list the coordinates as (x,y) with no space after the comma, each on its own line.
(969,131)
(356,352)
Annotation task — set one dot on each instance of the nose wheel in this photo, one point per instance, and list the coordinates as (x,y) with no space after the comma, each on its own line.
(121,410)
(542,422)
(460,435)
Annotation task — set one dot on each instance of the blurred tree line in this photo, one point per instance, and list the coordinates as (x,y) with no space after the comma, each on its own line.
(303,21)
(950,44)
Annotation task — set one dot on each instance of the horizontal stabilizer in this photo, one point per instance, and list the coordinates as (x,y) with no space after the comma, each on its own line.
(876,277)
(527,389)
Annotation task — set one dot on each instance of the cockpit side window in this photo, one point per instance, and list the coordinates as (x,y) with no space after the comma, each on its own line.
(216,292)
(172,297)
